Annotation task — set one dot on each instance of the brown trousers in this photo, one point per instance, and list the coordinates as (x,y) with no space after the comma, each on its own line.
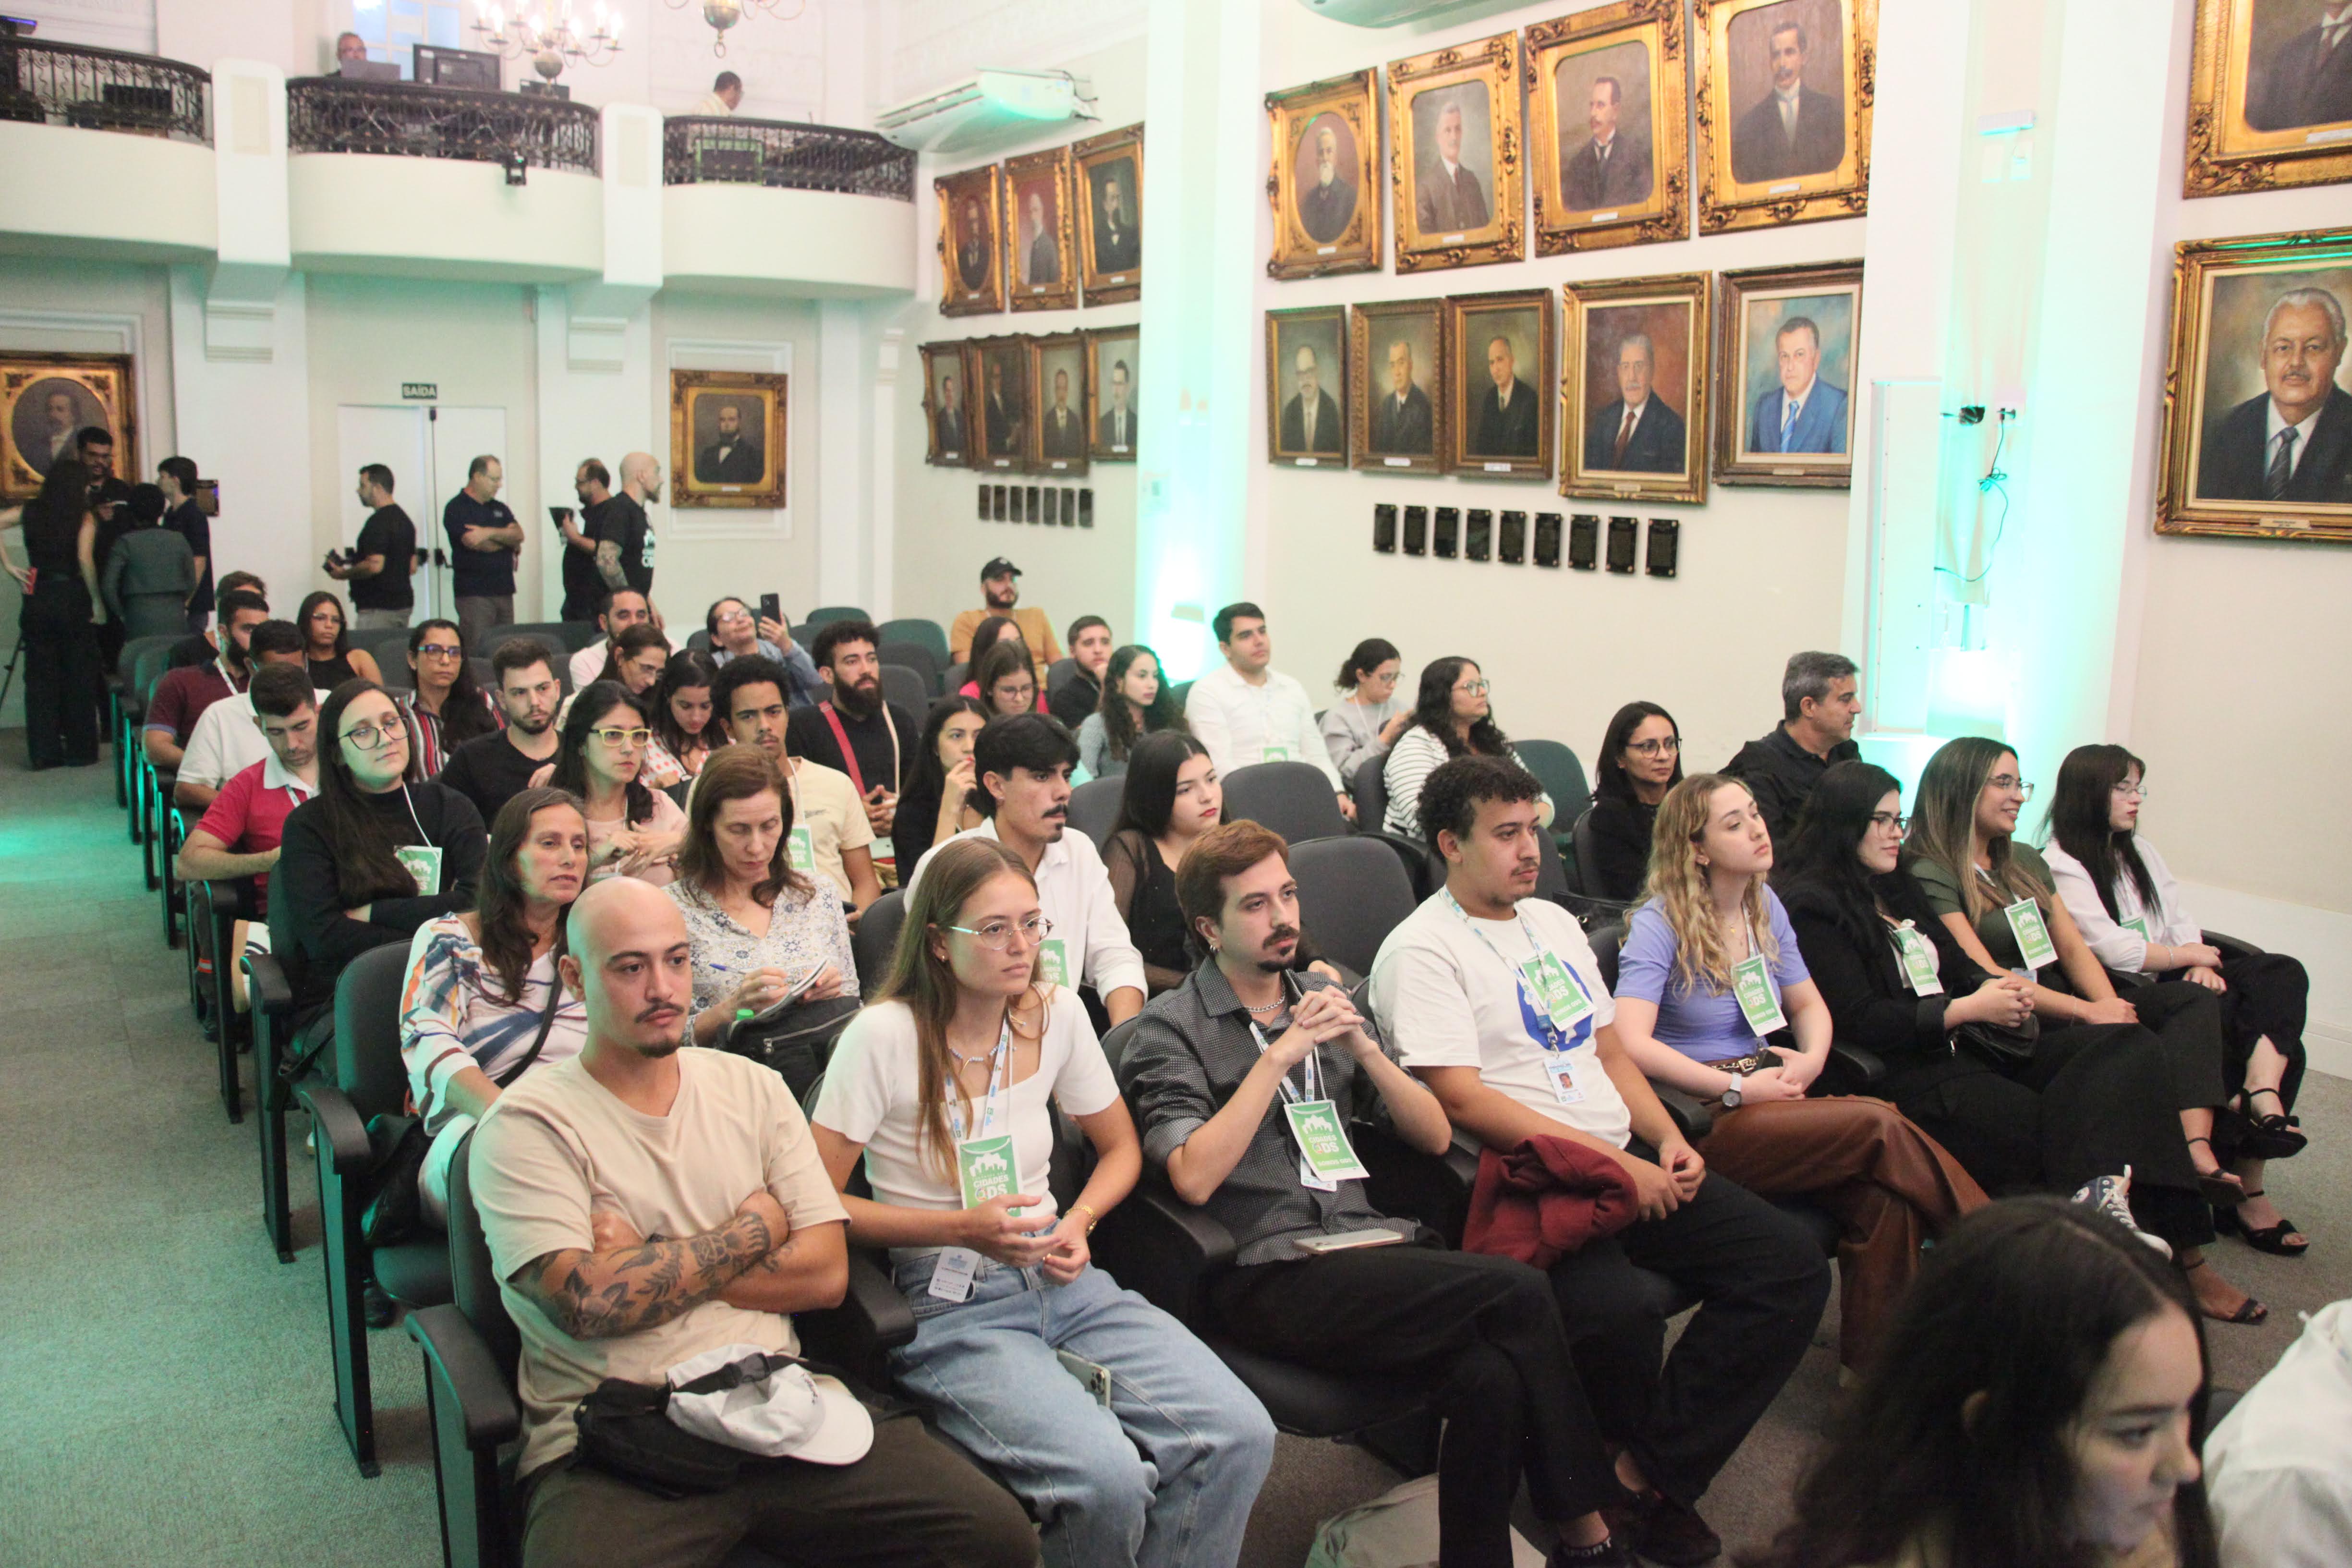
(1888,1184)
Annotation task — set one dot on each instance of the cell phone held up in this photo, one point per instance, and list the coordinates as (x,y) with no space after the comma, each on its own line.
(772,608)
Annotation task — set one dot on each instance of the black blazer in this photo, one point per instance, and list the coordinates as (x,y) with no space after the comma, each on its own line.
(1588,185)
(1407,431)
(1870,1005)
(2304,83)
(1620,846)
(1500,432)
(1326,424)
(1656,447)
(2237,448)
(1761,149)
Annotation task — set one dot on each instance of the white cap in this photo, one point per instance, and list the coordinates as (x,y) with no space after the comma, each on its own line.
(747,1398)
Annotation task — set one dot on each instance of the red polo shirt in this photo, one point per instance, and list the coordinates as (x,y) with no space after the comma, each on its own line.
(249,814)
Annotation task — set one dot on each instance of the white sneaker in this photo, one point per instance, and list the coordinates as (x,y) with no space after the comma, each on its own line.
(2110,1195)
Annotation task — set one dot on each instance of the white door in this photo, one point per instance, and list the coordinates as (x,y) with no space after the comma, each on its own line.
(400,437)
(459,436)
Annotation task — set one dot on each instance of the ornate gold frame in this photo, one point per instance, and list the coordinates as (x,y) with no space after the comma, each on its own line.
(1023,404)
(1039,404)
(1118,288)
(933,353)
(107,378)
(1725,203)
(1338,386)
(1693,289)
(1097,376)
(1791,470)
(955,299)
(1463,368)
(1495,61)
(1360,397)
(1298,254)
(2225,153)
(1666,216)
(1060,296)
(686,490)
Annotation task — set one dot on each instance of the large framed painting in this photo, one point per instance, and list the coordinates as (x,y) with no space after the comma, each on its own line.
(2257,420)
(1454,155)
(47,399)
(1499,419)
(1110,171)
(1325,185)
(1307,387)
(1112,361)
(1397,368)
(972,279)
(1607,128)
(1634,398)
(726,437)
(1001,365)
(947,406)
(1057,371)
(1786,344)
(1042,270)
(2270,97)
(1784,94)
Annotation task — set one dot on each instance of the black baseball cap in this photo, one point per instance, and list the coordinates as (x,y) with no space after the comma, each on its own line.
(999,567)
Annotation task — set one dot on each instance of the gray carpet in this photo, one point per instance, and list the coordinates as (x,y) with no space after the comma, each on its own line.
(164,1391)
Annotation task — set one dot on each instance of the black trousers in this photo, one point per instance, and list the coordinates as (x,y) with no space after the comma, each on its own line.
(1484,1333)
(2269,995)
(2187,1019)
(1761,1280)
(62,679)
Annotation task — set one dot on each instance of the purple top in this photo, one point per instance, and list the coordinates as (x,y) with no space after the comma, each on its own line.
(1704,1024)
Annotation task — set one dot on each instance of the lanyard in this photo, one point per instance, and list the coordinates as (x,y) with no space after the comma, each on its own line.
(1000,1071)
(849,754)
(1532,1007)
(406,801)
(1310,1067)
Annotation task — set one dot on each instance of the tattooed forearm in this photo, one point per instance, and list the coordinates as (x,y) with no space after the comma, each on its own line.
(598,1295)
(608,564)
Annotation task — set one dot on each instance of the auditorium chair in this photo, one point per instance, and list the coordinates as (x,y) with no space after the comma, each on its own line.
(1370,790)
(1058,674)
(915,629)
(952,679)
(1292,798)
(1562,776)
(129,709)
(175,822)
(214,910)
(824,613)
(1094,807)
(918,657)
(908,688)
(1351,893)
(272,1000)
(876,937)
(388,646)
(566,638)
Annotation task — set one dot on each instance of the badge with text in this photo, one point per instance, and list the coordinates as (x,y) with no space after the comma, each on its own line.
(1751,982)
(802,853)
(952,1273)
(1053,962)
(1561,1067)
(1323,1140)
(2137,925)
(1274,754)
(987,1169)
(1919,961)
(1556,989)
(423,863)
(2033,945)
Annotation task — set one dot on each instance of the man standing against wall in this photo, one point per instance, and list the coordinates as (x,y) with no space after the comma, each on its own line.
(384,563)
(485,540)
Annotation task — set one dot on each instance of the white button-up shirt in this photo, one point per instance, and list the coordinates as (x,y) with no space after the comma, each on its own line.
(2278,1469)
(1074,892)
(1240,723)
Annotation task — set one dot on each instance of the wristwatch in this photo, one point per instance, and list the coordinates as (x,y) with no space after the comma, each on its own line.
(1731,1097)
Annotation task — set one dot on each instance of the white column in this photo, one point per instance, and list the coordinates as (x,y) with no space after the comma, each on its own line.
(842,433)
(881,533)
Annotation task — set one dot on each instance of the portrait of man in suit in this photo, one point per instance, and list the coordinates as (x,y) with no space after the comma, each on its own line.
(48,414)
(1044,254)
(1327,202)
(2292,441)
(1804,413)
(1637,432)
(1507,423)
(1115,425)
(1310,420)
(2306,79)
(1797,129)
(1611,166)
(1119,244)
(1447,196)
(1403,425)
(733,455)
(973,250)
(1001,421)
(948,424)
(1062,430)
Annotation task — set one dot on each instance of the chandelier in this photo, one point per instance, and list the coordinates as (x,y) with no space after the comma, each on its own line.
(547,32)
(724,14)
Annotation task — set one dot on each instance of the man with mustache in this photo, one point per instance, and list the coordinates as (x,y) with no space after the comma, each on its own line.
(973,252)
(832,834)
(853,731)
(1118,248)
(1328,205)
(1796,130)
(1612,168)
(490,770)
(2292,442)
(1023,766)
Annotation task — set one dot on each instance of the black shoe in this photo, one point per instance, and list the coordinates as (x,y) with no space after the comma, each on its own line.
(1608,1554)
(1664,1531)
(380,1309)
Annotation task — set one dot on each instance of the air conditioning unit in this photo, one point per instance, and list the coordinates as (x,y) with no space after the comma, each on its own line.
(1390,12)
(990,110)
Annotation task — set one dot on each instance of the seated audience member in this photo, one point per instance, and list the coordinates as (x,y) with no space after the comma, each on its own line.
(1366,719)
(1493,998)
(1006,681)
(1171,798)
(636,658)
(445,708)
(940,1083)
(937,801)
(1089,657)
(185,691)
(1135,703)
(758,927)
(483,1005)
(200,648)
(1023,774)
(1819,698)
(1641,758)
(1245,711)
(239,832)
(2278,1467)
(623,608)
(2125,901)
(632,831)
(1207,1065)
(490,770)
(149,575)
(225,741)
(645,1205)
(370,857)
(1712,998)
(853,731)
(1452,716)
(684,736)
(831,835)
(2039,1401)
(1984,886)
(327,644)
(735,634)
(1000,585)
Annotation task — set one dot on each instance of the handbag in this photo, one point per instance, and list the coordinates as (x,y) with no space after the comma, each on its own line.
(799,1044)
(2003,1049)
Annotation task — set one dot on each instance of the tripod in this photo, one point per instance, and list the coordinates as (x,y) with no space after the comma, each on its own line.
(8,676)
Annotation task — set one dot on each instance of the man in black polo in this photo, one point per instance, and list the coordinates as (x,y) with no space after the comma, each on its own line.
(490,770)
(383,561)
(484,542)
(1820,696)
(854,731)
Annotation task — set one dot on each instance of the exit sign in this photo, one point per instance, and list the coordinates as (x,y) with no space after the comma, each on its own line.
(425,390)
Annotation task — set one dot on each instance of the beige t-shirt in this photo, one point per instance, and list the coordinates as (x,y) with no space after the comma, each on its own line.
(826,804)
(557,1145)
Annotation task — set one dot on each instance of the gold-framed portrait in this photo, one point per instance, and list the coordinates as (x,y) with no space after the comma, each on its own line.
(1113,360)
(2257,420)
(1397,359)
(1109,170)
(49,399)
(1307,387)
(1000,366)
(1634,394)
(972,272)
(1325,183)
(947,406)
(726,437)
(1040,271)
(2270,97)
(1499,412)
(1607,130)
(1058,379)
(1784,95)
(1787,342)
(1454,155)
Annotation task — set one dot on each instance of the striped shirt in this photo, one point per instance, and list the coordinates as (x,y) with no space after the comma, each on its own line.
(451,1019)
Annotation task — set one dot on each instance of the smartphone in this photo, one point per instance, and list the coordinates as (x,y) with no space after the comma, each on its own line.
(1346,1240)
(1584,542)
(983,503)
(1514,547)
(1384,529)
(1547,539)
(1665,544)
(997,501)
(1478,540)
(1095,1378)
(771,608)
(1085,508)
(1449,532)
(559,515)
(1621,542)
(1416,530)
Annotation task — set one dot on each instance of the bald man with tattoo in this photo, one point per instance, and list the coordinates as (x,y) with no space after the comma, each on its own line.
(647,1201)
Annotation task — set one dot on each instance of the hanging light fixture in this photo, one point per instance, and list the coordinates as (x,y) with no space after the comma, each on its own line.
(547,32)
(724,14)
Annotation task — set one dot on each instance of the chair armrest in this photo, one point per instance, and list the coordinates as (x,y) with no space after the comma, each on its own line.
(2232,946)
(1855,1068)
(1692,1115)
(457,1361)
(228,896)
(1162,1248)
(1433,1189)
(265,983)
(873,1318)
(337,1121)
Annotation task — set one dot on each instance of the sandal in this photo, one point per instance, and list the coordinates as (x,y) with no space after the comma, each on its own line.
(2249,1311)
(2222,1188)
(2270,1238)
(2274,1137)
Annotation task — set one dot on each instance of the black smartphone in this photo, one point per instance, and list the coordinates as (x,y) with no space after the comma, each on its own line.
(1416,530)
(983,503)
(1513,548)
(1622,542)
(1478,539)
(1547,539)
(1085,508)
(772,608)
(557,514)
(1032,503)
(1446,545)
(1665,544)
(1583,541)
(1384,529)
(997,501)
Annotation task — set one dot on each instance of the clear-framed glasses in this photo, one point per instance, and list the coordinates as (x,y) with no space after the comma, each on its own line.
(1892,819)
(996,935)
(734,617)
(615,735)
(439,651)
(369,738)
(2131,791)
(1475,687)
(2007,781)
(1671,746)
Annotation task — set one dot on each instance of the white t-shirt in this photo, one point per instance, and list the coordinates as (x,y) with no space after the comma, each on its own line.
(1444,999)
(1074,891)
(870,1098)
(226,741)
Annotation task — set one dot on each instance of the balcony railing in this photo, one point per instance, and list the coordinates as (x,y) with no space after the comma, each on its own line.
(103,89)
(722,149)
(327,114)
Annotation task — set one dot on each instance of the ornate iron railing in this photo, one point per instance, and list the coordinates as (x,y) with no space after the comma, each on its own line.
(702,149)
(404,119)
(103,89)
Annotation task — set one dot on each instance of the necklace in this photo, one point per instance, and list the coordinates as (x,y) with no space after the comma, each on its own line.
(1274,1006)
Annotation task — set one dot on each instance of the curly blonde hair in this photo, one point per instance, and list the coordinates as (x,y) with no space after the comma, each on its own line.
(1679,884)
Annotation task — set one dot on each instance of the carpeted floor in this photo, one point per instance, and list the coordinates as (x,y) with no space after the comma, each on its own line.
(164,1391)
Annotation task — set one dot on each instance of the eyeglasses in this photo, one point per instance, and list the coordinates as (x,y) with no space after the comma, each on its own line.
(733,617)
(439,651)
(1475,687)
(617,736)
(997,935)
(2007,781)
(2131,791)
(369,738)
(1671,745)
(1889,819)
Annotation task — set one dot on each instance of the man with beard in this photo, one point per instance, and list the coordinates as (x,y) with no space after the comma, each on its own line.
(831,836)
(973,253)
(182,695)
(855,730)
(1000,585)
(733,458)
(1118,248)
(490,770)
(1328,205)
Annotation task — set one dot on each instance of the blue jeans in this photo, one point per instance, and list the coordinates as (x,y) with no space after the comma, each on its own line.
(1164,1478)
